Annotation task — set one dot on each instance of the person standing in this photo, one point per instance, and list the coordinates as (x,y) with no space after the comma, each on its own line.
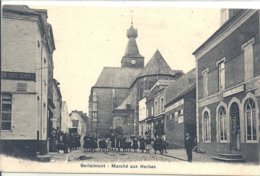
(109,143)
(188,146)
(142,144)
(135,144)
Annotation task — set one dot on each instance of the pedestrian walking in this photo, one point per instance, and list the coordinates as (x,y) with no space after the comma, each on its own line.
(188,146)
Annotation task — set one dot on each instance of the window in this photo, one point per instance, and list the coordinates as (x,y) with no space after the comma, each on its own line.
(94,96)
(162,105)
(155,108)
(21,87)
(94,106)
(250,116)
(75,123)
(6,111)
(206,127)
(205,82)
(248,59)
(221,75)
(222,121)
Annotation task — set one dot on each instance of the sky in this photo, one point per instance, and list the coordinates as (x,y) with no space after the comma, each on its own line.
(89,37)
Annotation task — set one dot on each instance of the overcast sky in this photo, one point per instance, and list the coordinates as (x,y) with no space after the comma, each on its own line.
(88,38)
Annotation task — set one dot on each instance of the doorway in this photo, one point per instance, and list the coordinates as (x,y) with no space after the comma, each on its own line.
(235,127)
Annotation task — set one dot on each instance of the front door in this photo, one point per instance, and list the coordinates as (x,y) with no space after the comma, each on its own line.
(235,127)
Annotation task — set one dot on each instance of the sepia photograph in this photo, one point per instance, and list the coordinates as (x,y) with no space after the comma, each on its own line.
(129,88)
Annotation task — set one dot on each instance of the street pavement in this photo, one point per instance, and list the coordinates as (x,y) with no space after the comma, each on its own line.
(114,156)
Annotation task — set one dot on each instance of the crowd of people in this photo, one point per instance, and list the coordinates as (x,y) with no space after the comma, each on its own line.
(126,144)
(118,143)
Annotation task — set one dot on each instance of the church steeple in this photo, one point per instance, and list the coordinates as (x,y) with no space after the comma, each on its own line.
(132,57)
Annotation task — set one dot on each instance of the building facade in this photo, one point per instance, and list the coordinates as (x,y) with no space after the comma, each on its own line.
(78,120)
(228,87)
(65,117)
(180,110)
(26,58)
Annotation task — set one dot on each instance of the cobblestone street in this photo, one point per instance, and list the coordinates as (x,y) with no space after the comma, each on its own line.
(113,156)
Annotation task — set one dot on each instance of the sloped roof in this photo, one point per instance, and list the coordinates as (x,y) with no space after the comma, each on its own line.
(117,77)
(132,49)
(157,65)
(128,100)
(185,83)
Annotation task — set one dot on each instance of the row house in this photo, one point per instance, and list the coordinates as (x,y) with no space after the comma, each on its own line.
(78,122)
(152,110)
(180,110)
(26,76)
(228,87)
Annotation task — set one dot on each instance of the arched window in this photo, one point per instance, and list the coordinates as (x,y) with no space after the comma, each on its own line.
(206,127)
(250,116)
(222,121)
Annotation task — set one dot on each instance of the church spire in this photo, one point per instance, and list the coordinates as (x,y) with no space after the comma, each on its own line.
(132,57)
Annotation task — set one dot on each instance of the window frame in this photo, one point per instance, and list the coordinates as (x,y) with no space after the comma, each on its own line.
(252,123)
(205,82)
(206,138)
(9,102)
(221,71)
(222,122)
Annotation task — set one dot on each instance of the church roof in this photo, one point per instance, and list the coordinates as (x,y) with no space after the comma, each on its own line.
(132,49)
(157,65)
(117,77)
(128,100)
(181,86)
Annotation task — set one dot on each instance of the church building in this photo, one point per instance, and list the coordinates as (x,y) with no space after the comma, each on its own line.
(113,100)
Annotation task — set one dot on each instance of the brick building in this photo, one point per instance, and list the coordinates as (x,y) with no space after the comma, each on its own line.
(228,87)
(26,71)
(180,109)
(118,89)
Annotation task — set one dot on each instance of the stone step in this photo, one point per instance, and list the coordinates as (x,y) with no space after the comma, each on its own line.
(43,158)
(231,155)
(232,160)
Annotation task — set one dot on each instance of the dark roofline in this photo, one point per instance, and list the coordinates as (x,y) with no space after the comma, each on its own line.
(159,74)
(108,87)
(56,83)
(181,95)
(220,30)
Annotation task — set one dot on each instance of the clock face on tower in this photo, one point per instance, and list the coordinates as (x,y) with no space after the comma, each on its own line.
(133,61)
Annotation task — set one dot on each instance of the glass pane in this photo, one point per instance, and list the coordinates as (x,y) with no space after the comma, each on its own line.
(254,125)
(6,116)
(225,127)
(248,116)
(6,125)
(6,107)
(6,97)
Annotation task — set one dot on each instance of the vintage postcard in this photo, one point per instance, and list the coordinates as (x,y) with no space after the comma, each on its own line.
(130,88)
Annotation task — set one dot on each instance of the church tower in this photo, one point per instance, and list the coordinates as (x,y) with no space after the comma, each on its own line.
(132,58)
